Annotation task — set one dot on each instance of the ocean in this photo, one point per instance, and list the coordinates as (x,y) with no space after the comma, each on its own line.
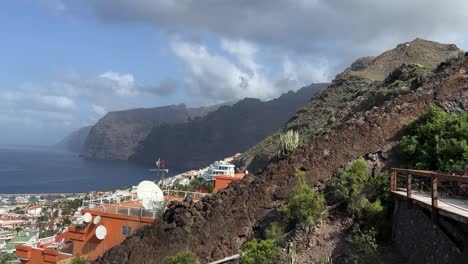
(43,170)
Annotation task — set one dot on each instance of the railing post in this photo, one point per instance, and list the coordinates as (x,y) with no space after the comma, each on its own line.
(435,199)
(408,186)
(393,177)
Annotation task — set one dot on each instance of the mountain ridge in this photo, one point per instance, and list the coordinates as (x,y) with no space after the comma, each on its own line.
(349,90)
(115,135)
(221,133)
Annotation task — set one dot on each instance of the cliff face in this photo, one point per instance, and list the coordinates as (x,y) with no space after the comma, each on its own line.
(358,88)
(221,133)
(217,226)
(74,142)
(115,136)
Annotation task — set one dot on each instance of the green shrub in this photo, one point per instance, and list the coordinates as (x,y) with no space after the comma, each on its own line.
(259,252)
(288,142)
(275,232)
(365,197)
(364,248)
(376,218)
(80,259)
(327,259)
(187,257)
(350,185)
(378,188)
(304,204)
(436,141)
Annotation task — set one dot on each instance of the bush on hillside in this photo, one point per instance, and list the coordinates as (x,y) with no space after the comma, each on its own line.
(288,142)
(378,187)
(364,248)
(187,257)
(275,232)
(327,259)
(259,252)
(304,204)
(436,141)
(365,197)
(350,185)
(80,259)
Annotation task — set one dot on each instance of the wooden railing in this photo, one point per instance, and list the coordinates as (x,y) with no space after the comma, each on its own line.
(435,180)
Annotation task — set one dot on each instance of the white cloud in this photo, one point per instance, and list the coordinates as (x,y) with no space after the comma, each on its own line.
(235,72)
(342,30)
(122,84)
(99,110)
(74,100)
(56,101)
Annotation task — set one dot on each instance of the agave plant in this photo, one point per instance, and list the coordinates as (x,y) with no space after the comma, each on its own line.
(288,142)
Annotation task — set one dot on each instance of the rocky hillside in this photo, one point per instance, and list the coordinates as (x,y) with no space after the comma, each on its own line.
(367,126)
(74,142)
(358,88)
(221,133)
(115,136)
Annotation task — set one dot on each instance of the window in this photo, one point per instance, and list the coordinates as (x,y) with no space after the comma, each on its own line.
(126,230)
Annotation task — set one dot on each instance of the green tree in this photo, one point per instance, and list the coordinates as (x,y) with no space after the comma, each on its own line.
(350,185)
(365,197)
(304,204)
(259,252)
(187,257)
(436,141)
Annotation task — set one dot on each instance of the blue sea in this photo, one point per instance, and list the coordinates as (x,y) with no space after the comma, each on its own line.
(44,170)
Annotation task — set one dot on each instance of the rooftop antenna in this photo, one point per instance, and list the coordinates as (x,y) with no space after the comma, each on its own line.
(97,219)
(87,217)
(151,196)
(160,169)
(101,232)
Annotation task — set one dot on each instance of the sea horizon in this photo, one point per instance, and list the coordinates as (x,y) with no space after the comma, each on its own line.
(28,169)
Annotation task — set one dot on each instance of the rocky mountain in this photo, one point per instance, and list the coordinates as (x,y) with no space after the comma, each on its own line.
(115,136)
(74,141)
(221,133)
(361,117)
(358,88)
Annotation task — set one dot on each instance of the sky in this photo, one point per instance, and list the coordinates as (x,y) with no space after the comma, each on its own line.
(66,63)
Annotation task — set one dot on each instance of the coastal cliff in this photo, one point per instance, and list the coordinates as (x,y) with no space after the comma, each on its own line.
(221,133)
(75,141)
(115,136)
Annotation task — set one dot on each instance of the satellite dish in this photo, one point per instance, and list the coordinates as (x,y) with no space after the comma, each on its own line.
(101,232)
(87,217)
(97,219)
(150,195)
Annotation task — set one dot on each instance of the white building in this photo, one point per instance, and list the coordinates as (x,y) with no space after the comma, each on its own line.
(34,210)
(219,168)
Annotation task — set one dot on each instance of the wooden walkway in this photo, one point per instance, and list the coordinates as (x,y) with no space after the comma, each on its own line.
(455,207)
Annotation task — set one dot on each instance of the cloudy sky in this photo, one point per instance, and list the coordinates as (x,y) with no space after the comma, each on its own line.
(67,63)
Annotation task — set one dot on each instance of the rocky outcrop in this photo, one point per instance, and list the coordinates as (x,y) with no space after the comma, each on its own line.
(218,225)
(358,88)
(115,136)
(74,142)
(221,133)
